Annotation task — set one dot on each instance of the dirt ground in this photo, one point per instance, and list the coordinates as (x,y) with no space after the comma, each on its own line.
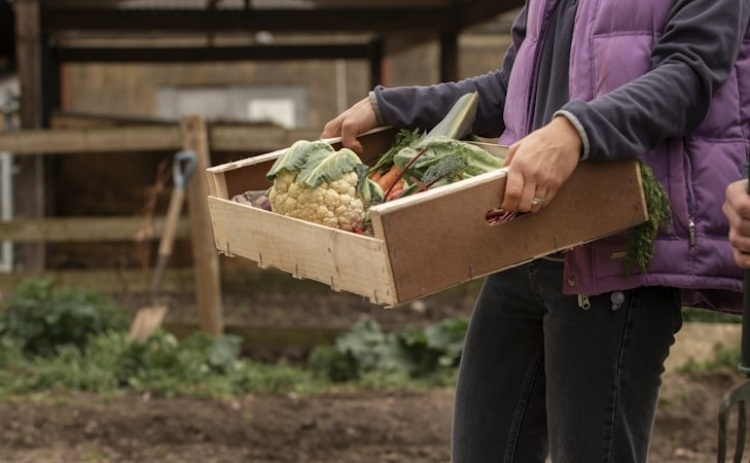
(345,427)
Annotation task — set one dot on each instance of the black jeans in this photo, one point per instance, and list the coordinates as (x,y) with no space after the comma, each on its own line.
(542,375)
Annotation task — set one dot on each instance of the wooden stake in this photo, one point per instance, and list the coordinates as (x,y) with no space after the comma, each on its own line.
(205,255)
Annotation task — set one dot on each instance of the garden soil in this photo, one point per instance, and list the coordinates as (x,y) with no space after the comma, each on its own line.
(345,426)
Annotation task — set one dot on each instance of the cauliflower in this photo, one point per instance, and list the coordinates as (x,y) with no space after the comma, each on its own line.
(333,204)
(313,182)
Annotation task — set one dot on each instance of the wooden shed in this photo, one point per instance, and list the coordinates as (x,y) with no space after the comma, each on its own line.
(86,60)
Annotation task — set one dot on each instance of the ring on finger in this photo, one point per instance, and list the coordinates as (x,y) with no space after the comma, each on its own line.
(537,201)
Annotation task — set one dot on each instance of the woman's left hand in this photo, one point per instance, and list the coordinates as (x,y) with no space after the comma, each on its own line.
(539,164)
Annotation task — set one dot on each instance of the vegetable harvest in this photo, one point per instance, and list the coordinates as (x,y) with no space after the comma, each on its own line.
(314,182)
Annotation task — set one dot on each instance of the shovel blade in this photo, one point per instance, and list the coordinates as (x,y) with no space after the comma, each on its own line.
(146,321)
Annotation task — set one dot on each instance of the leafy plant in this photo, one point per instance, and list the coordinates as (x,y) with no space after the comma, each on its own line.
(410,353)
(200,366)
(44,318)
(640,247)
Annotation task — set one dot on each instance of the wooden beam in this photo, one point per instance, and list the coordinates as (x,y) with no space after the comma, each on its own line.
(71,229)
(249,138)
(99,140)
(330,19)
(29,182)
(29,50)
(205,255)
(211,54)
(104,280)
(255,138)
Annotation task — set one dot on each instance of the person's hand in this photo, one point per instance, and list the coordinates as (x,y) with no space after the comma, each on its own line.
(353,122)
(539,164)
(737,210)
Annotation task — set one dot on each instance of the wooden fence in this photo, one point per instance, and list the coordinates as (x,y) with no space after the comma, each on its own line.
(191,134)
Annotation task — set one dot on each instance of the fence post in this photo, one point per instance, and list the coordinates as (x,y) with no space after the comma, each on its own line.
(205,256)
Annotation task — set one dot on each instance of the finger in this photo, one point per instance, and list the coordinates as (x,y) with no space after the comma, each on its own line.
(350,130)
(739,241)
(514,187)
(511,151)
(741,259)
(526,204)
(540,199)
(737,223)
(332,128)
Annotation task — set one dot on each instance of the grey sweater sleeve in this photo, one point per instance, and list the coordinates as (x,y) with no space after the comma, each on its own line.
(690,62)
(425,106)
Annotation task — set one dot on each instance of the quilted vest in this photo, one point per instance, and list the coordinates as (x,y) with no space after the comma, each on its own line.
(612,41)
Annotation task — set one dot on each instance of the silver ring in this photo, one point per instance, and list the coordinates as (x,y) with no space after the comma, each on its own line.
(536,201)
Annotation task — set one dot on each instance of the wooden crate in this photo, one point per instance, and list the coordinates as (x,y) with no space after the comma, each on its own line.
(423,243)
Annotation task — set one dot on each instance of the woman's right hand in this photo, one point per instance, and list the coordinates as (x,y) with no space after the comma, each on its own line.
(736,208)
(352,123)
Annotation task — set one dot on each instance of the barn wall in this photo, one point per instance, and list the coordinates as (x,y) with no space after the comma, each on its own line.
(121,184)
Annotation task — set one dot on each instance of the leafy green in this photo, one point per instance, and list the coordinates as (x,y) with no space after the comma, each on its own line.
(449,168)
(368,190)
(404,138)
(298,155)
(409,144)
(321,167)
(478,161)
(640,246)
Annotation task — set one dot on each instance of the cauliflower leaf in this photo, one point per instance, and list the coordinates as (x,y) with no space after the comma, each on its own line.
(328,168)
(298,155)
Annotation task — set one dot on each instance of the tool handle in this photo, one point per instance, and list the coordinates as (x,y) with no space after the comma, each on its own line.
(744,366)
(170,222)
(183,166)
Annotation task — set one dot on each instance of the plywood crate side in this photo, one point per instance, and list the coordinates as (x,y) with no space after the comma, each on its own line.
(345,261)
(441,238)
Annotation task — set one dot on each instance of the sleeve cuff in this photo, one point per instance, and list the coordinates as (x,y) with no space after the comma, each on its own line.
(585,144)
(376,107)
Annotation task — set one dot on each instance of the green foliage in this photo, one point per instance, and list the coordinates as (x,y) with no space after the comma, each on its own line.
(724,357)
(448,168)
(404,138)
(44,318)
(69,339)
(640,248)
(691,314)
(200,366)
(368,352)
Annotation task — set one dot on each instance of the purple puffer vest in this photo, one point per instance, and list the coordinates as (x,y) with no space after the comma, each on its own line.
(612,40)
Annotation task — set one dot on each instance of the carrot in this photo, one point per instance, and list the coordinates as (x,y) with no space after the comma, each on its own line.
(389,178)
(395,193)
(376,176)
(399,185)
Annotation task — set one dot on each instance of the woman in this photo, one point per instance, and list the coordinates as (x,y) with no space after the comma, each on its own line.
(564,355)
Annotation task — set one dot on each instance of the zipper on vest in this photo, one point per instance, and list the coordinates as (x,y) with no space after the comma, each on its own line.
(691,232)
(690,200)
